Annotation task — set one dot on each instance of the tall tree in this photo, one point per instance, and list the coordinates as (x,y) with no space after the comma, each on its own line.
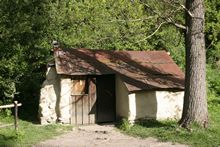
(195,102)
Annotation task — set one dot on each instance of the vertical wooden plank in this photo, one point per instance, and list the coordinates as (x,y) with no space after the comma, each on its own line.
(82,108)
(85,110)
(88,110)
(75,105)
(92,100)
(79,105)
(73,110)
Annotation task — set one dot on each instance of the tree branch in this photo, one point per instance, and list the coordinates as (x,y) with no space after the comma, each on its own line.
(179,4)
(190,14)
(210,44)
(153,32)
(179,25)
(184,8)
(131,20)
(168,19)
(171,21)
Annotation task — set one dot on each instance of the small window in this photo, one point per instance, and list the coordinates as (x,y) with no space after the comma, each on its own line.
(80,85)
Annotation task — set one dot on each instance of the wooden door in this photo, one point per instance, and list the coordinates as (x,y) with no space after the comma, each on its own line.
(84,105)
(105,87)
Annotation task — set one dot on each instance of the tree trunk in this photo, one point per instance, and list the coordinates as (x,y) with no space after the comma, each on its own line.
(195,101)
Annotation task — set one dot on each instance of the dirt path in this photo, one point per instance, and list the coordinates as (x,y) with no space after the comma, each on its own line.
(102,136)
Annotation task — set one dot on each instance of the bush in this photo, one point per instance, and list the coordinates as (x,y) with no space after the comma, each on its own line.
(124,125)
(213,82)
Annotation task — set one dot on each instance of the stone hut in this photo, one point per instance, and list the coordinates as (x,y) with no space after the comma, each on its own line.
(85,86)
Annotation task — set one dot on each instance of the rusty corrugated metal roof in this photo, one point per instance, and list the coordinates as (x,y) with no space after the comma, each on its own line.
(139,70)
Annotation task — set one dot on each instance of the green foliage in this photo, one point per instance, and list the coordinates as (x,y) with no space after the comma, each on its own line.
(5,112)
(23,45)
(213,30)
(213,78)
(94,24)
(213,85)
(111,24)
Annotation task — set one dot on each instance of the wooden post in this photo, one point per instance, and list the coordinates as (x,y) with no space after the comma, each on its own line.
(16,115)
(15,105)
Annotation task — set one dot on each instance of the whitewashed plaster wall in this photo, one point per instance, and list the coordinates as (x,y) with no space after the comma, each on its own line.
(64,103)
(158,105)
(170,104)
(122,105)
(142,105)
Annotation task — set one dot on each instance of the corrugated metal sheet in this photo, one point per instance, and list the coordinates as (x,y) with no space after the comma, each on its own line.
(138,69)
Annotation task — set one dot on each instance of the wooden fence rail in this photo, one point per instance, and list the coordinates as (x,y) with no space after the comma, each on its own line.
(16,105)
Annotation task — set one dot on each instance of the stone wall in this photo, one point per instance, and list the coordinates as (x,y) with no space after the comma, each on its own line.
(49,94)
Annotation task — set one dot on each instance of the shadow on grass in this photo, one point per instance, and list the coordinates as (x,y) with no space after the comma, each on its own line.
(154,124)
(29,112)
(150,123)
(7,140)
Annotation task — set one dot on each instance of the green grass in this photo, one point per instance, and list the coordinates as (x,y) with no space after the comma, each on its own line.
(28,133)
(170,131)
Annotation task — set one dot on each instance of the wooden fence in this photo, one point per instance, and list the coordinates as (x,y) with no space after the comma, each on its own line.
(16,105)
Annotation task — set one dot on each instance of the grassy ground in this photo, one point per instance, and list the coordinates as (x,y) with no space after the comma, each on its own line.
(28,133)
(169,131)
